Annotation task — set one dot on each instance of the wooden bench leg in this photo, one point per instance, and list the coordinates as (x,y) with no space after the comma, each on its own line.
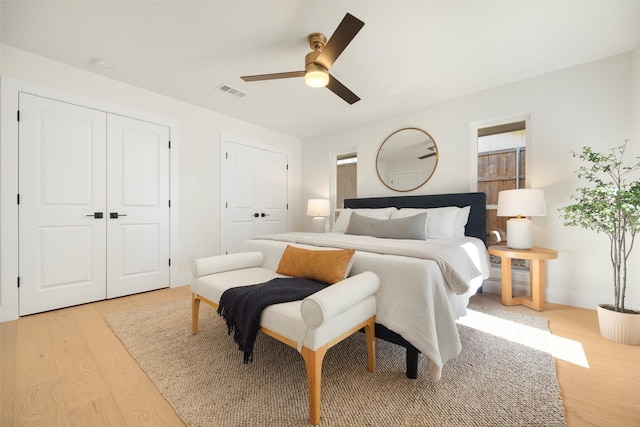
(370,334)
(195,309)
(313,362)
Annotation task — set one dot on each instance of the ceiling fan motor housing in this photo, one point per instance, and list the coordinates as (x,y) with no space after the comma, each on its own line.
(311,64)
(317,41)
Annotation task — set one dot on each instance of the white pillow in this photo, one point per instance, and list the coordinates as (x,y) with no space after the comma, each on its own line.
(345,215)
(461,222)
(443,223)
(405,212)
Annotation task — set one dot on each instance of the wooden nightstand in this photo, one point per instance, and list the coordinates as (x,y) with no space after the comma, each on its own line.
(537,257)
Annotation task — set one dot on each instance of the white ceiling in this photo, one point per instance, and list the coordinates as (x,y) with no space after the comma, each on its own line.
(409,53)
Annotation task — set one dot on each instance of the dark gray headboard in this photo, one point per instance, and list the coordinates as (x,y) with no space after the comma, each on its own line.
(476,226)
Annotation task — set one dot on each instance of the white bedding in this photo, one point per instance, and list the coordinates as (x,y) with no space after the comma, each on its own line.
(414,299)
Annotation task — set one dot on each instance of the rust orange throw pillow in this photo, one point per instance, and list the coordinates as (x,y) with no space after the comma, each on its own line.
(327,266)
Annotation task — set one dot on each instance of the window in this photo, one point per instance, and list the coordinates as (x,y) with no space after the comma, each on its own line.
(502,154)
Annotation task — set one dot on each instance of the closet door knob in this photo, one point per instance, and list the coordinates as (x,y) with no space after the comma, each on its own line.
(116,215)
(97,215)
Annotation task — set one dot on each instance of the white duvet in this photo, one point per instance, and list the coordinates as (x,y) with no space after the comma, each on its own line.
(419,298)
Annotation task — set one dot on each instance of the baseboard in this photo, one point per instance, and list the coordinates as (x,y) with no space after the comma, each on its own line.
(520,284)
(495,287)
(582,299)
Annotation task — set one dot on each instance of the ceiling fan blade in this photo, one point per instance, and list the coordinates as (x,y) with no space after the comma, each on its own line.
(346,31)
(342,91)
(273,76)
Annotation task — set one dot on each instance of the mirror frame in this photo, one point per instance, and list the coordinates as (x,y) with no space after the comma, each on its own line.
(426,179)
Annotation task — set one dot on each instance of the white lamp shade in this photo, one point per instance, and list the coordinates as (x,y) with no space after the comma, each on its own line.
(521,202)
(318,207)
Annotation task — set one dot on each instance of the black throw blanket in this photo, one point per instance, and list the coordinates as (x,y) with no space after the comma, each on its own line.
(241,307)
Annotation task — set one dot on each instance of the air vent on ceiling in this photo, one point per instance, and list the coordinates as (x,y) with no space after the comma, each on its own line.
(231,90)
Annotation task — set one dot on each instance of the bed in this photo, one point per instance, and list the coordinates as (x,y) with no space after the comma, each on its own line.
(425,283)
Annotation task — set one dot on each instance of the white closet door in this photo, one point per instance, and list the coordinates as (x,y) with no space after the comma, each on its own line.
(62,182)
(137,206)
(272,178)
(255,194)
(242,212)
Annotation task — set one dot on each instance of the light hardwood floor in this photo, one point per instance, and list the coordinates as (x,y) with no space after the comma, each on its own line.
(66,367)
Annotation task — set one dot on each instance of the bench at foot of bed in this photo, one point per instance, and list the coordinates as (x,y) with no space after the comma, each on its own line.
(312,325)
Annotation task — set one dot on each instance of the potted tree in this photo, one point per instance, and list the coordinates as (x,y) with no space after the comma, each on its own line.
(610,204)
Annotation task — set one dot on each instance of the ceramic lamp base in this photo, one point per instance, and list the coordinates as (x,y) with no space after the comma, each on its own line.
(318,224)
(519,233)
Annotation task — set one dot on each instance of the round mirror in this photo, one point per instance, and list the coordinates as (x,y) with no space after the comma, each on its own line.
(407,159)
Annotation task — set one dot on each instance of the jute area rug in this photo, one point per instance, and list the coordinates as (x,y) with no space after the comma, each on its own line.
(494,382)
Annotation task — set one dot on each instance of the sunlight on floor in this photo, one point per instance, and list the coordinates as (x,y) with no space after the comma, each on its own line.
(559,347)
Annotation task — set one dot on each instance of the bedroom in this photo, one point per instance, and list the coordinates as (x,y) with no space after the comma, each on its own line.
(603,93)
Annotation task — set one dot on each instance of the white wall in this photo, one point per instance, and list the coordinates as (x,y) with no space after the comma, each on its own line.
(589,104)
(197,148)
(592,104)
(634,291)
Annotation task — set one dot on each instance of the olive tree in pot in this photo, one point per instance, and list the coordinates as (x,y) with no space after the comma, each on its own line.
(610,203)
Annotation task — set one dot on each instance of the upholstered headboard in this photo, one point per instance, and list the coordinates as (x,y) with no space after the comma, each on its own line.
(476,226)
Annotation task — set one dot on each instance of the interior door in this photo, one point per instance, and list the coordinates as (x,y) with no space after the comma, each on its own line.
(137,206)
(272,175)
(256,192)
(62,185)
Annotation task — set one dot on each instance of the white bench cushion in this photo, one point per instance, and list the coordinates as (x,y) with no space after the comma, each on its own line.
(211,286)
(327,314)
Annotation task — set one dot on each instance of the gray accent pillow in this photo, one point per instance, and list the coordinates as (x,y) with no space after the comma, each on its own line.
(412,227)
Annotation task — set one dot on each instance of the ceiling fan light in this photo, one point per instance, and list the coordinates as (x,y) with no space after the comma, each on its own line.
(316,78)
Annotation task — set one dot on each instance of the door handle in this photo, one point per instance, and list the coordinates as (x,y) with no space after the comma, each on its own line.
(97,215)
(264,214)
(116,215)
(256,214)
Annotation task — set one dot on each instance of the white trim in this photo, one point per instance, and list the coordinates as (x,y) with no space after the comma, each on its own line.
(224,140)
(589,300)
(9,182)
(174,191)
(8,203)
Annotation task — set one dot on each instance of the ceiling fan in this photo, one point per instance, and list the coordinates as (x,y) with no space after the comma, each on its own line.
(318,62)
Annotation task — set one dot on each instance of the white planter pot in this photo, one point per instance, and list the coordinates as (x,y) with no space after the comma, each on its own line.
(619,327)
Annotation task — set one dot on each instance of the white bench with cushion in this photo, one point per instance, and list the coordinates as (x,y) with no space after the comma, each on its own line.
(312,325)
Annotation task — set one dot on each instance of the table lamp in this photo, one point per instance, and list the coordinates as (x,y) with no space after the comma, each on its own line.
(318,209)
(519,204)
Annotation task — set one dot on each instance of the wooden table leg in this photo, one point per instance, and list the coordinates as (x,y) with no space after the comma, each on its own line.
(536,270)
(507,295)
(536,257)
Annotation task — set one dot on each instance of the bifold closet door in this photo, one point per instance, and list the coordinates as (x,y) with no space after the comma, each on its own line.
(62,192)
(137,206)
(93,205)
(256,194)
